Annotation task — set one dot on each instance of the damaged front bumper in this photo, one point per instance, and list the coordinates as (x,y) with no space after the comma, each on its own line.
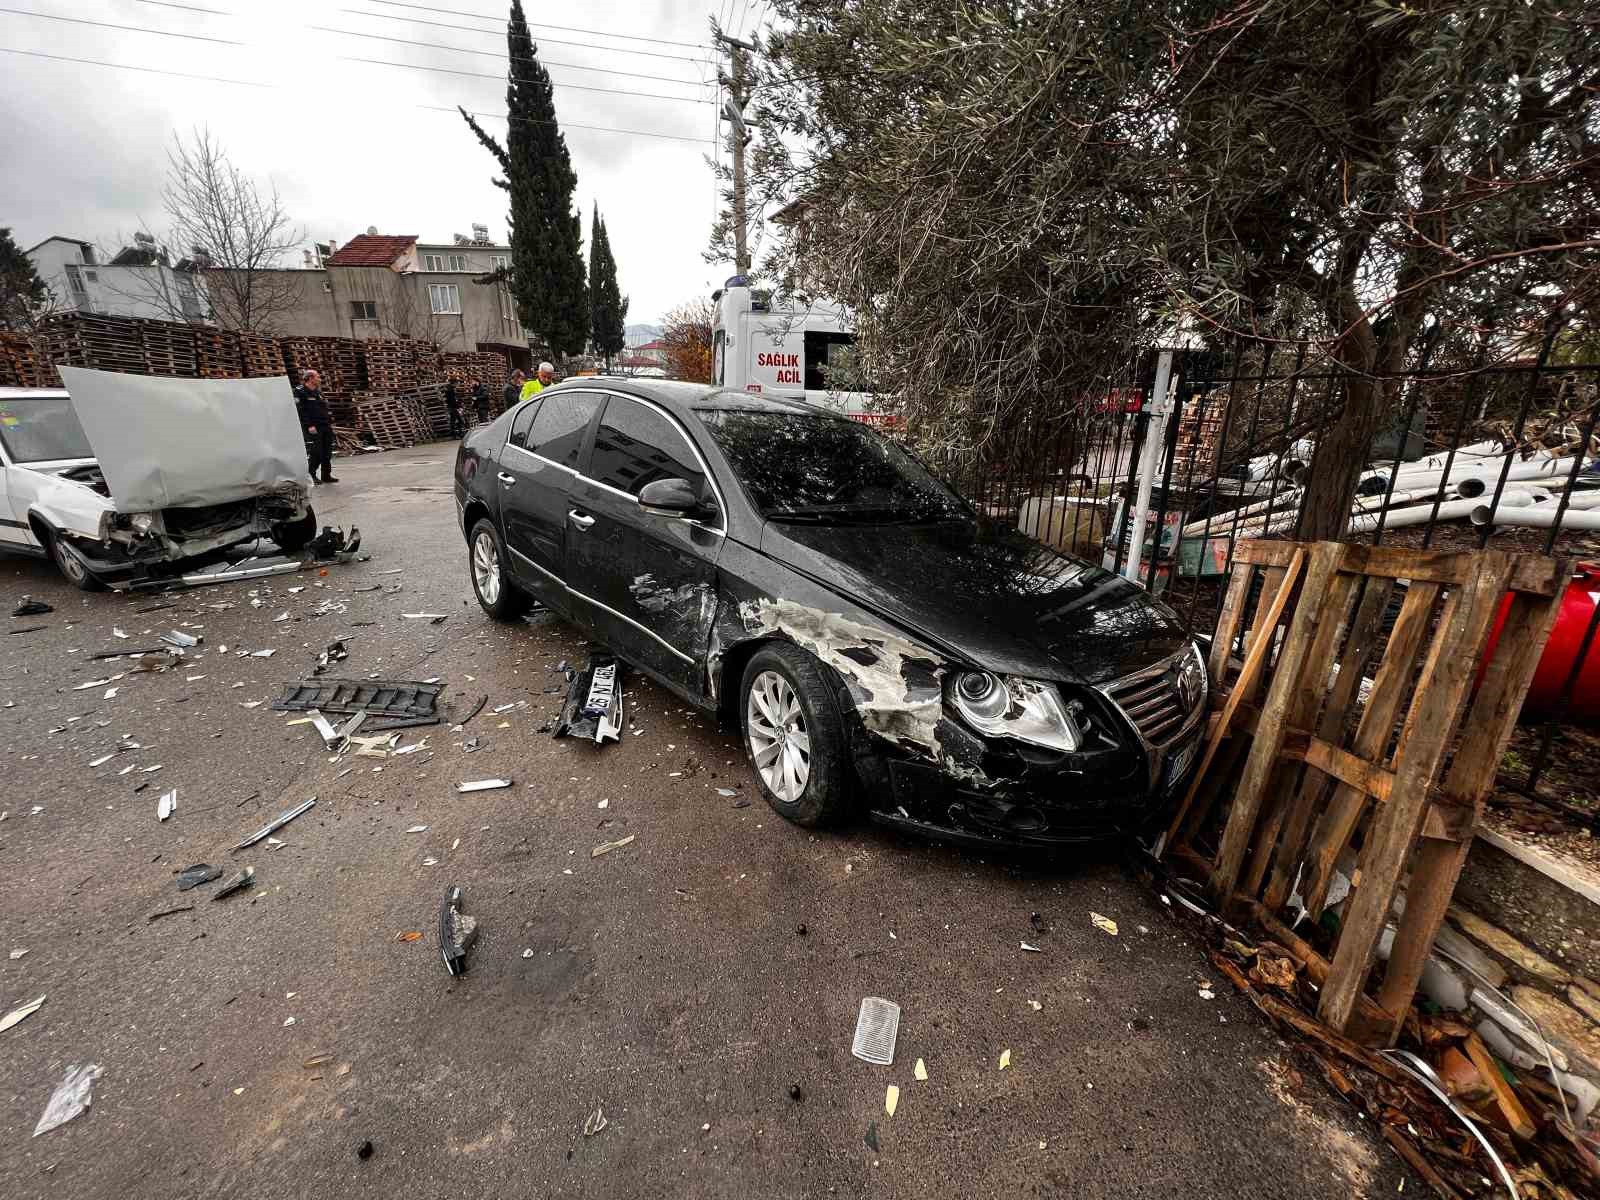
(129,548)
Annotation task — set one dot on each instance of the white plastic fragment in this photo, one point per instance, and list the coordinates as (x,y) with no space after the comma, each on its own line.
(72,1095)
(20,1013)
(877,1028)
(167,805)
(1104,923)
(1032,949)
(418,829)
(483,785)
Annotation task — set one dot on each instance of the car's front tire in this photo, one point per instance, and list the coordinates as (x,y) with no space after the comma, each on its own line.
(294,536)
(72,567)
(486,563)
(794,736)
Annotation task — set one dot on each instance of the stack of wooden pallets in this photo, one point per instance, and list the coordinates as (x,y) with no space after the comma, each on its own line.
(390,420)
(391,365)
(474,367)
(101,343)
(259,355)
(217,352)
(23,363)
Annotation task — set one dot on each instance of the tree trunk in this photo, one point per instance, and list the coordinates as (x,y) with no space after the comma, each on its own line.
(1344,445)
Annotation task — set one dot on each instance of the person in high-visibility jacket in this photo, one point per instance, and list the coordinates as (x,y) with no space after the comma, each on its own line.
(546,376)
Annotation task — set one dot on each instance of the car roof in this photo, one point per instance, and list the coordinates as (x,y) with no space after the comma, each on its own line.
(685,399)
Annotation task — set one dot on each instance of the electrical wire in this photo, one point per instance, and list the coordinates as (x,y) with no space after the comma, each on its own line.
(379,62)
(215,12)
(90,62)
(495,33)
(544,62)
(451,12)
(192,37)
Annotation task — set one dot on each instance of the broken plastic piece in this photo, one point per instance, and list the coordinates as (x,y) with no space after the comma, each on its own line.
(877,1028)
(336,652)
(243,879)
(891,1100)
(608,847)
(457,932)
(180,639)
(167,805)
(483,785)
(278,824)
(332,544)
(593,708)
(920,1071)
(376,697)
(1005,1059)
(1104,923)
(595,1123)
(72,1095)
(192,877)
(29,607)
(19,1014)
(1032,949)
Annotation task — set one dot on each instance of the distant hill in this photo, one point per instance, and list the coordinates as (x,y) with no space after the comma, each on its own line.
(638,335)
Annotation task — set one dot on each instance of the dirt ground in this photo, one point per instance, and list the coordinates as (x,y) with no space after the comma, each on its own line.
(699,985)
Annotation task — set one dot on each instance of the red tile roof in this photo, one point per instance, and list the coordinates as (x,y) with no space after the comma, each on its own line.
(372,250)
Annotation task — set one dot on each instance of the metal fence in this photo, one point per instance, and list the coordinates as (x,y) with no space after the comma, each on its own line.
(1163,476)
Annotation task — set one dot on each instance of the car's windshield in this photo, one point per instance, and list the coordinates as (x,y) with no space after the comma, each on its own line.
(801,467)
(41,428)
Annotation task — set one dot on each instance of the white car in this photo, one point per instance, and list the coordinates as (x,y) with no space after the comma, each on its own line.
(121,478)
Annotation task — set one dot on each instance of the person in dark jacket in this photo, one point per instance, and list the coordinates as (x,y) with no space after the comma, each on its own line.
(452,406)
(317,424)
(480,400)
(514,388)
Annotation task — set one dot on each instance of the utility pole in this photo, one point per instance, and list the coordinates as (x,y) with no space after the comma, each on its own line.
(738,97)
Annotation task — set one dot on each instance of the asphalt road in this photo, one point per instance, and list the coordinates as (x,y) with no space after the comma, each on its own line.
(684,983)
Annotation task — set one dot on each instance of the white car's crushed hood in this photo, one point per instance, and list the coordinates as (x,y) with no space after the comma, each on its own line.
(168,443)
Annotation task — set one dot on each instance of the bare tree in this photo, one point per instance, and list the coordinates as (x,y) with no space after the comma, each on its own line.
(687,338)
(404,312)
(236,229)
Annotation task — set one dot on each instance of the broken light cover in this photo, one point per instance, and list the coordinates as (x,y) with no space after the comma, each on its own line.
(142,522)
(1023,709)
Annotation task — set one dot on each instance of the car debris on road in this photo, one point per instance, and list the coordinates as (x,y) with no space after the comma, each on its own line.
(594,702)
(72,1096)
(243,879)
(275,825)
(457,932)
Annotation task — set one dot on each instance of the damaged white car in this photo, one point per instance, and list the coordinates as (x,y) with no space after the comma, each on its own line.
(125,478)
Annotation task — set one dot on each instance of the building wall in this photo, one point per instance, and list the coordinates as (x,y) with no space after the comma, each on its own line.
(157,293)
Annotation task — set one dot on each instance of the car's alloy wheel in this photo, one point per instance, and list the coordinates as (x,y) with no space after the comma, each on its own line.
(486,566)
(73,569)
(780,744)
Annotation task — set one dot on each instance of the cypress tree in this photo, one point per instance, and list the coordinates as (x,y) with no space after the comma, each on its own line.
(546,276)
(608,307)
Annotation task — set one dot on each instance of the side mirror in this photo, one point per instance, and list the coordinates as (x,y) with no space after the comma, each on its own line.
(673,498)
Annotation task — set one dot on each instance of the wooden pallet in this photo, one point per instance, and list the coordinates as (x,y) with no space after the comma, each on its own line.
(1324,779)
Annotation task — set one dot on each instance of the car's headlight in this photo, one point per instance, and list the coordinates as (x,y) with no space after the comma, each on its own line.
(1016,708)
(142,522)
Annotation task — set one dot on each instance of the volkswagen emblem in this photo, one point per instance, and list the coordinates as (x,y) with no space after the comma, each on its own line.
(1187,680)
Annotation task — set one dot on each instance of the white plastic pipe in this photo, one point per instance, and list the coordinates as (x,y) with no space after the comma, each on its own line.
(1477,483)
(1417,514)
(1541,516)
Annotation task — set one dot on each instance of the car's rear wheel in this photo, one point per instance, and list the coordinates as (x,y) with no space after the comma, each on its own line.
(794,736)
(72,567)
(497,594)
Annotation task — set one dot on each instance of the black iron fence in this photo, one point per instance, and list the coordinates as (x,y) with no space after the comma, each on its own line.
(1469,456)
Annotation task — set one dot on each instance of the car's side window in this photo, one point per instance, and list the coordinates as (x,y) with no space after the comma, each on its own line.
(636,445)
(519,426)
(560,424)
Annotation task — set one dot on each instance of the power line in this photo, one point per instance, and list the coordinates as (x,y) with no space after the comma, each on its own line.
(452,12)
(215,12)
(193,37)
(379,62)
(495,33)
(90,62)
(507,58)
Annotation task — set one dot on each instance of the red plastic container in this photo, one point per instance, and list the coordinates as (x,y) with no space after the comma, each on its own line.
(1555,664)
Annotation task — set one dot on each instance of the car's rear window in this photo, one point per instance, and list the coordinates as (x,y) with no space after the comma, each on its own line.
(42,428)
(799,466)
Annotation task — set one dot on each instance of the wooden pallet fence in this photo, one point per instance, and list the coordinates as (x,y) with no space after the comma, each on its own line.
(1356,732)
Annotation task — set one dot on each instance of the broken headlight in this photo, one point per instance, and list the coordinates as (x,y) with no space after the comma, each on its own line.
(1018,708)
(142,522)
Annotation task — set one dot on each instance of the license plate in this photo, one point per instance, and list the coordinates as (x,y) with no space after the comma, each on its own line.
(1178,765)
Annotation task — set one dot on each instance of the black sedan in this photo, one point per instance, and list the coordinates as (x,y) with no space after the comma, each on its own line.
(877,643)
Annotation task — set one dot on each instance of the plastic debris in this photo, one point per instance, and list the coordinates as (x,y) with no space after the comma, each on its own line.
(273,826)
(457,932)
(262,653)
(181,640)
(872,1136)
(595,1123)
(608,847)
(483,785)
(16,954)
(167,912)
(1035,1005)
(1104,923)
(1005,1059)
(29,607)
(891,1099)
(167,805)
(1032,949)
(103,759)
(877,1028)
(727,792)
(243,879)
(593,707)
(409,935)
(527,954)
(920,1071)
(193,877)
(73,1094)
(418,829)
(17,1015)
(424,616)
(336,652)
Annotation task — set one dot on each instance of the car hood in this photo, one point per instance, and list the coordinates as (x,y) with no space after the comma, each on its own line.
(996,598)
(171,443)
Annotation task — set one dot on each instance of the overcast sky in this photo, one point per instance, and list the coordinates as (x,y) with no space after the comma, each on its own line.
(349,144)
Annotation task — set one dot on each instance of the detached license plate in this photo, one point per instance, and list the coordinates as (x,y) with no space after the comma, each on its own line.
(1180,761)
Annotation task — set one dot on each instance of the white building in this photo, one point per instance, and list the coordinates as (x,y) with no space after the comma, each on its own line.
(140,281)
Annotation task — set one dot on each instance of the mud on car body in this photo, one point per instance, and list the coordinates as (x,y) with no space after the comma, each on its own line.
(876,642)
(174,472)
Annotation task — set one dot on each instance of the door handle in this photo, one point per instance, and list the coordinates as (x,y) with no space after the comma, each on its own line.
(578,519)
(507,478)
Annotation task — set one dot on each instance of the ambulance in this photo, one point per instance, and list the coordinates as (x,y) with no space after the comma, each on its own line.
(784,352)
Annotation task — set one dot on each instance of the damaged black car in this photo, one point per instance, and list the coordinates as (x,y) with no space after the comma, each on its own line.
(878,644)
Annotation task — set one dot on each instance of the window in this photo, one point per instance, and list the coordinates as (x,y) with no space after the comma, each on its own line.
(363,310)
(559,426)
(719,351)
(499,262)
(636,445)
(92,276)
(828,361)
(458,262)
(520,423)
(433,262)
(444,298)
(75,278)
